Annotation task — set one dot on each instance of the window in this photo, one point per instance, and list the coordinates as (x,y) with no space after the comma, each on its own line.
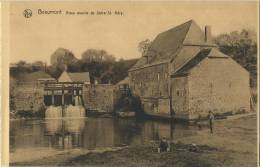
(178,93)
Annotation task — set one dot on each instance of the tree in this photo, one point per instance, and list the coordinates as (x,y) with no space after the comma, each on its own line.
(38,65)
(242,47)
(54,71)
(94,55)
(12,94)
(62,57)
(144,46)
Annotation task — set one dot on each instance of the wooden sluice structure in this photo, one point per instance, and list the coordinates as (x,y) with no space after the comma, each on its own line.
(62,93)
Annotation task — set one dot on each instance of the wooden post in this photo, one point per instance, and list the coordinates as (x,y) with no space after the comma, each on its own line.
(62,100)
(52,97)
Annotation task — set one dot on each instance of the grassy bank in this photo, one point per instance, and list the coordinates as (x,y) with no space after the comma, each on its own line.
(180,156)
(233,144)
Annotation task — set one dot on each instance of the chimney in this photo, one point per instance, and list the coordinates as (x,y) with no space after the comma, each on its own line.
(208,37)
(147,60)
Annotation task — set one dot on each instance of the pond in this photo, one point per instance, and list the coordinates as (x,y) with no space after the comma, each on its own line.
(32,139)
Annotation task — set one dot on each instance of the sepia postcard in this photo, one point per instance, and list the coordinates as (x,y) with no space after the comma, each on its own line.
(130,83)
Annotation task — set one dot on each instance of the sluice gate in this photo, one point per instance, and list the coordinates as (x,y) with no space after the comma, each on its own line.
(64,99)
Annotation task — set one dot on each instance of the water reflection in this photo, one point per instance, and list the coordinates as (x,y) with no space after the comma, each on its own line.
(91,133)
(64,134)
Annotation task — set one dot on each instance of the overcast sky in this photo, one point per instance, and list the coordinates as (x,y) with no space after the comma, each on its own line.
(37,37)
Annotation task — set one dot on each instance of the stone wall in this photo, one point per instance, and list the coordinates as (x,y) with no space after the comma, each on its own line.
(150,82)
(180,94)
(220,85)
(99,98)
(151,85)
(28,96)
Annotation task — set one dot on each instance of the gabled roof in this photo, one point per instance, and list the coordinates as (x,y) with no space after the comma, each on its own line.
(207,52)
(166,45)
(74,77)
(193,62)
(79,77)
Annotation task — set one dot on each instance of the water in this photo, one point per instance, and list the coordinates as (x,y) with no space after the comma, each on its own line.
(32,139)
(68,111)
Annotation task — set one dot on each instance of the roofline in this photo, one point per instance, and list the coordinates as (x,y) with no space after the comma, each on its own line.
(190,21)
(149,65)
(174,73)
(183,64)
(207,45)
(76,72)
(179,75)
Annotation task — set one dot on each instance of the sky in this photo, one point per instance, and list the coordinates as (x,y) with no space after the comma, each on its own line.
(37,37)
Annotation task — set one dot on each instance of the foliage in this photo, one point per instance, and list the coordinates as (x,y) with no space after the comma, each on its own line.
(54,71)
(12,94)
(103,72)
(94,55)
(24,114)
(38,65)
(242,47)
(62,58)
(144,46)
(129,102)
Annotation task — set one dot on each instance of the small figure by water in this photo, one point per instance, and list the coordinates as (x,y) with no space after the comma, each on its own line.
(211,120)
(163,146)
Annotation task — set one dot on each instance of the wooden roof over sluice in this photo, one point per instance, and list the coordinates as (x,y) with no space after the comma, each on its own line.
(63,85)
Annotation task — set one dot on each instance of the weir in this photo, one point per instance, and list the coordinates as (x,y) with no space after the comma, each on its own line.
(64,99)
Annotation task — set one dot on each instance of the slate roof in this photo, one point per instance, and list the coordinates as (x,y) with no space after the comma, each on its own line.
(166,46)
(208,52)
(192,63)
(79,77)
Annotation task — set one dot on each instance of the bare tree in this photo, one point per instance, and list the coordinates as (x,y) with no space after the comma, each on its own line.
(144,46)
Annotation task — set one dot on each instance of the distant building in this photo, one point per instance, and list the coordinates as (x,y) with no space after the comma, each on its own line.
(183,75)
(74,77)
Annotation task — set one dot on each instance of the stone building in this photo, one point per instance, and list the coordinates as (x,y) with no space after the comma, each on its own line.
(183,75)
